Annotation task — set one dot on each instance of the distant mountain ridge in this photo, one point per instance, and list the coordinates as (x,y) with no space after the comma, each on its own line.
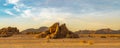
(100,31)
(9,31)
(34,31)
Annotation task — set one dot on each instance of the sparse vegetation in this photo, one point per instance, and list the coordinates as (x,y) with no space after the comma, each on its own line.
(103,37)
(90,42)
(84,41)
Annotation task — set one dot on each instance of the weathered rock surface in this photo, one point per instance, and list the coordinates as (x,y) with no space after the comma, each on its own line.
(5,32)
(57,31)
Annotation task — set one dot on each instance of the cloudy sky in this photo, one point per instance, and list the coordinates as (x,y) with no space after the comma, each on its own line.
(77,14)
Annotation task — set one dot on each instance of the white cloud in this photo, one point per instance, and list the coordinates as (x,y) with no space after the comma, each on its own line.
(17,5)
(26,14)
(5,4)
(49,14)
(16,8)
(10,13)
(13,1)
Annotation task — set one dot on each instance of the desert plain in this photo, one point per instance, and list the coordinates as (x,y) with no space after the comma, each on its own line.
(29,41)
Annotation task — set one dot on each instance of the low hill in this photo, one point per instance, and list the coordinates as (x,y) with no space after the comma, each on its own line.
(100,31)
(34,31)
(9,31)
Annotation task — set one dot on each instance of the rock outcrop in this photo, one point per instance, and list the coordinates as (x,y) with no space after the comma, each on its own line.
(57,31)
(5,32)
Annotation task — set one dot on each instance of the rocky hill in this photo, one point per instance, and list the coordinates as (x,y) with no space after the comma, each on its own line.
(57,31)
(9,31)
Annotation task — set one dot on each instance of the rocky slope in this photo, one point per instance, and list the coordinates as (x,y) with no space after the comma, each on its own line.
(57,31)
(9,31)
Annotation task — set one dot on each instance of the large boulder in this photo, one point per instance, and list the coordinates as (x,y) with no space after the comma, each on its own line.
(57,31)
(9,31)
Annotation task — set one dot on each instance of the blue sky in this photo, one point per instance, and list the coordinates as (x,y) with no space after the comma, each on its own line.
(78,14)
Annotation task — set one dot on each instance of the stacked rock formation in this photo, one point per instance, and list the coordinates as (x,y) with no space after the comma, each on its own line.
(5,32)
(57,31)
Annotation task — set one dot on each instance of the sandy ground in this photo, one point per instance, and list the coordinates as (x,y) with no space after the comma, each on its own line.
(31,42)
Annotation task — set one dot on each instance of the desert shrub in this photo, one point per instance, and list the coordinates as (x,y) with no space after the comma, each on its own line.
(91,42)
(84,41)
(103,36)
